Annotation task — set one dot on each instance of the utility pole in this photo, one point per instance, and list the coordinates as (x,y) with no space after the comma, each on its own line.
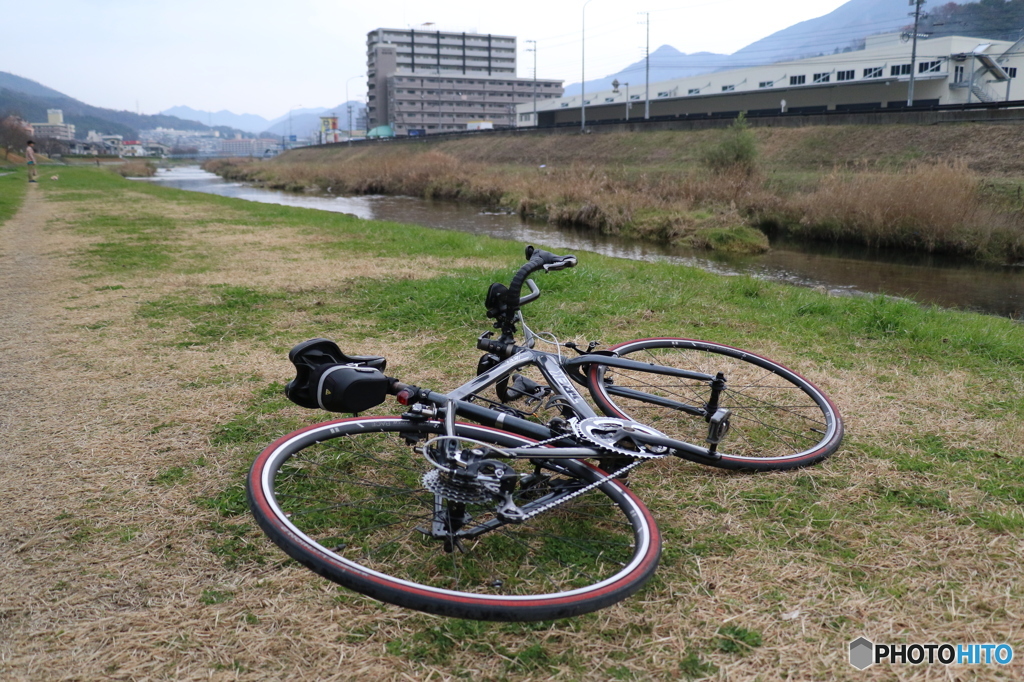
(916,4)
(647,67)
(583,72)
(534,51)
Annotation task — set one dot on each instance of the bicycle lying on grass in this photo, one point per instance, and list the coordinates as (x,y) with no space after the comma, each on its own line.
(521,516)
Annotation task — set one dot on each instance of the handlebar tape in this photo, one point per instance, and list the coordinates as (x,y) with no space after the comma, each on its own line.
(537,260)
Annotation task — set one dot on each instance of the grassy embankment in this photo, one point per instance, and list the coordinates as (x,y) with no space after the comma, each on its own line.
(12,190)
(948,189)
(137,557)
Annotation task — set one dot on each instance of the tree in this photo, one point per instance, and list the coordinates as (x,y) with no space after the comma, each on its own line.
(13,135)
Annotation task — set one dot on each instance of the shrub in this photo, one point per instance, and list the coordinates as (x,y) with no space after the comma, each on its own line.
(735,148)
(137,169)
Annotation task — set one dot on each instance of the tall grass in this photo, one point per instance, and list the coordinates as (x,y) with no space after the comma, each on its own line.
(926,207)
(718,204)
(136,168)
(659,206)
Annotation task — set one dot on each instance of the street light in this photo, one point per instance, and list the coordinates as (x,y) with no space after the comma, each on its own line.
(615,89)
(349,105)
(583,72)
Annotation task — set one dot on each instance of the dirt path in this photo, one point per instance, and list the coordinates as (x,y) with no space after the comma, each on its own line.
(27,403)
(108,572)
(84,536)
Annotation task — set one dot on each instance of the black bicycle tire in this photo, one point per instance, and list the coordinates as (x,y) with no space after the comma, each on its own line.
(832,423)
(325,562)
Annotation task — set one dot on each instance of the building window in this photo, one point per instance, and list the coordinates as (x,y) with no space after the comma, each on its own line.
(636,97)
(822,77)
(797,80)
(728,88)
(691,91)
(845,75)
(873,72)
(664,94)
(958,74)
(565,105)
(766,84)
(899,70)
(609,99)
(1011,71)
(929,67)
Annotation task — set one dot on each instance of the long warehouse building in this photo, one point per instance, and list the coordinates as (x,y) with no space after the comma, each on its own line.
(947,70)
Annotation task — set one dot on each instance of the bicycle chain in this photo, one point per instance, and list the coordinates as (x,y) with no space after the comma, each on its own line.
(584,489)
(438,485)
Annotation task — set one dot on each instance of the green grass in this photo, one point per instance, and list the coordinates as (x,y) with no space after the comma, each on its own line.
(12,193)
(739,550)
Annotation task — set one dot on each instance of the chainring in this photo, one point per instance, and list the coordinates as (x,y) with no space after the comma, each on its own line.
(611,435)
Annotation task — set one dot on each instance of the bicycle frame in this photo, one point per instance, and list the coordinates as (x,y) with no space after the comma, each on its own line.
(554,368)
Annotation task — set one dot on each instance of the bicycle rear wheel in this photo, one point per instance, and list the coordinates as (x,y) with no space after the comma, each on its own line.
(347,499)
(779,419)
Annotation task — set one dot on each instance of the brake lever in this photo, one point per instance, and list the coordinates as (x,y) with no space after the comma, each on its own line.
(566,262)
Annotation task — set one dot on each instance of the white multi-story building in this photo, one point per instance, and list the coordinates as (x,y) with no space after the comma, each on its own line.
(947,70)
(55,127)
(428,82)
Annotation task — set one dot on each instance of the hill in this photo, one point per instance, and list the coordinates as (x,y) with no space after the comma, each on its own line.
(251,123)
(30,100)
(842,29)
(991,19)
(307,121)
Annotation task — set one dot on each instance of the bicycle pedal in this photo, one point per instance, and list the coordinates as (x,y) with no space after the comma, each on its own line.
(718,425)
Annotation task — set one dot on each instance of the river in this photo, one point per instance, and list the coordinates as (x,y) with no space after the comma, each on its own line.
(843,270)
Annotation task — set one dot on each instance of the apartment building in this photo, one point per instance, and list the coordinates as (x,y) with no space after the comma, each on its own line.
(947,70)
(55,127)
(427,82)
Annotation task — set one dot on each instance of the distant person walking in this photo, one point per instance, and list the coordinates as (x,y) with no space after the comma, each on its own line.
(30,158)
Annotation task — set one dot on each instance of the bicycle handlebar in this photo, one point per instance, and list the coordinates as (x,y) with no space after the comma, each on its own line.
(537,259)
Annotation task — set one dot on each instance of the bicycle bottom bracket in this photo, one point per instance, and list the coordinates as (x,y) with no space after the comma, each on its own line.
(614,436)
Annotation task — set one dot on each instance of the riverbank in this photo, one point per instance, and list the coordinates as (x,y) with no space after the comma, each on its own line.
(939,189)
(165,317)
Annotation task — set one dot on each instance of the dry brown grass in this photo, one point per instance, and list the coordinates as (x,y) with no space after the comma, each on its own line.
(136,168)
(906,187)
(928,207)
(659,206)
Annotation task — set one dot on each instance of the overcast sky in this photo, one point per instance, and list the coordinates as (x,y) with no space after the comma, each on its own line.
(262,57)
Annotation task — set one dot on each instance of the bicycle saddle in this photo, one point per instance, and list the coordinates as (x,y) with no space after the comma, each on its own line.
(312,359)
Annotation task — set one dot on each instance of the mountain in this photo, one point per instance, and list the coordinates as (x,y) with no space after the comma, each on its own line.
(666,63)
(30,100)
(298,122)
(250,123)
(991,19)
(842,29)
(305,122)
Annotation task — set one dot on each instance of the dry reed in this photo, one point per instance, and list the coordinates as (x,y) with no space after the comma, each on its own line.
(136,168)
(928,207)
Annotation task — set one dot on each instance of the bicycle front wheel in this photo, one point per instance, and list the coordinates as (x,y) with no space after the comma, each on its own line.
(348,500)
(779,419)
